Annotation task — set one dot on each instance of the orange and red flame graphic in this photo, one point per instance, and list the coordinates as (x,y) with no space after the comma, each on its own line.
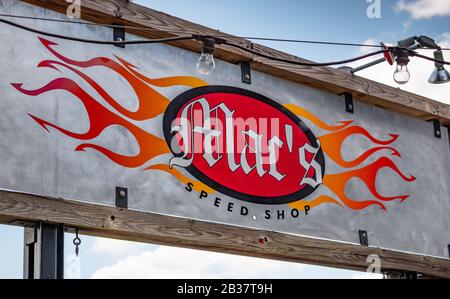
(151,104)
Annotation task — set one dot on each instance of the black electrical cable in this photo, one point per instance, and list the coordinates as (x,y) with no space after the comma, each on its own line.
(311,42)
(196,37)
(215,35)
(184,32)
(302,63)
(100,42)
(162,40)
(82,23)
(414,53)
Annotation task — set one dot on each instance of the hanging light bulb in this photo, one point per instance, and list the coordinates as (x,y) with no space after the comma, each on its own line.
(401,74)
(206,63)
(440,74)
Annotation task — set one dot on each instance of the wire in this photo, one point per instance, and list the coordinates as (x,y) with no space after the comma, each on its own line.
(175,31)
(100,42)
(169,39)
(305,63)
(83,23)
(414,53)
(310,42)
(215,35)
(196,37)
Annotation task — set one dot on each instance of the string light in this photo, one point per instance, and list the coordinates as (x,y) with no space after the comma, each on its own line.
(285,40)
(401,74)
(440,74)
(206,63)
(401,53)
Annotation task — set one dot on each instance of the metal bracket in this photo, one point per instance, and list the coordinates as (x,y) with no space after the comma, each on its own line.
(363,238)
(349,107)
(448,133)
(448,250)
(119,35)
(44,251)
(437,128)
(30,236)
(122,197)
(246,72)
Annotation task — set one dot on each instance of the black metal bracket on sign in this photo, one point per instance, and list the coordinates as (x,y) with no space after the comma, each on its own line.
(448,134)
(349,107)
(363,238)
(437,128)
(119,35)
(448,250)
(122,197)
(246,72)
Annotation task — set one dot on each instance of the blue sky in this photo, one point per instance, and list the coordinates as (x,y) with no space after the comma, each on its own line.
(340,21)
(304,19)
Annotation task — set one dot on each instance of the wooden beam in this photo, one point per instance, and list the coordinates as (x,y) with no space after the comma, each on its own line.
(111,222)
(156,24)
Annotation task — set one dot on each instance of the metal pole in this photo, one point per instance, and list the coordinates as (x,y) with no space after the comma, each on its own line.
(44,251)
(367,65)
(378,61)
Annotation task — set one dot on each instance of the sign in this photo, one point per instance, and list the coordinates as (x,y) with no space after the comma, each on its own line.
(79,120)
(244,145)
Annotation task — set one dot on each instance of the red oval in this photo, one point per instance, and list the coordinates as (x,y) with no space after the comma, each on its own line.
(256,121)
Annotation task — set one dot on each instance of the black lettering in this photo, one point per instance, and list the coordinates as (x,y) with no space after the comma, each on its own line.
(307,208)
(230,207)
(280,214)
(295,213)
(267,214)
(203,194)
(217,202)
(244,211)
(189,186)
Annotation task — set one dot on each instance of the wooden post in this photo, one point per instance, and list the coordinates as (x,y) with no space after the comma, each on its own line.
(111,222)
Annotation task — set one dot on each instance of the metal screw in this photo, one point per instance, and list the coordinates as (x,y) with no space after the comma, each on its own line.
(122,193)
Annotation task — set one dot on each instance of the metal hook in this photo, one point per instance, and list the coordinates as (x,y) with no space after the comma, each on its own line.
(77,242)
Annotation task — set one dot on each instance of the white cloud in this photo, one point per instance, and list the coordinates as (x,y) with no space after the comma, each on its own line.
(369,41)
(115,248)
(406,25)
(420,70)
(444,40)
(424,9)
(169,262)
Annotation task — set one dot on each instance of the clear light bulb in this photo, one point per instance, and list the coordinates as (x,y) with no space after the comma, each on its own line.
(401,74)
(206,64)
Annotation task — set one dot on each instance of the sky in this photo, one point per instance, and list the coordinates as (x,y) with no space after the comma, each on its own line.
(326,20)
